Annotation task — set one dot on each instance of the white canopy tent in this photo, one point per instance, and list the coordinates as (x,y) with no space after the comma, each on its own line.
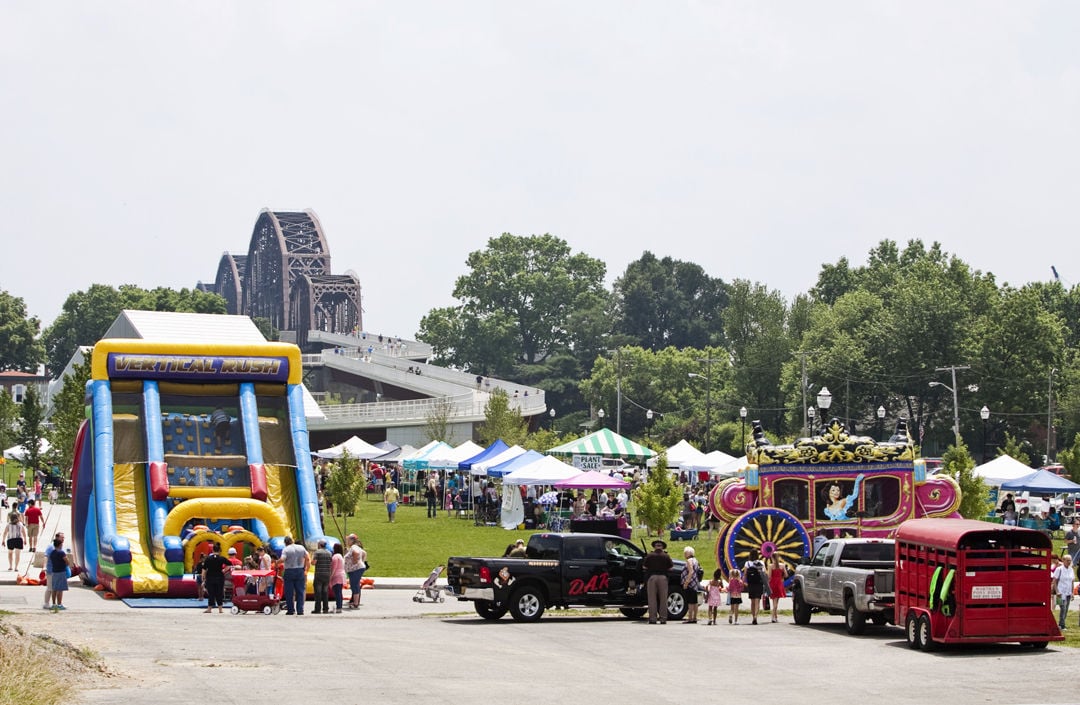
(679,455)
(709,462)
(545,471)
(1002,469)
(19,452)
(448,458)
(729,469)
(355,447)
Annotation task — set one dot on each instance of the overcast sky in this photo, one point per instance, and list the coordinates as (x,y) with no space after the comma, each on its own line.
(140,140)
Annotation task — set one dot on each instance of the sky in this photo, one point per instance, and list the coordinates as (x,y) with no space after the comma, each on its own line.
(760,140)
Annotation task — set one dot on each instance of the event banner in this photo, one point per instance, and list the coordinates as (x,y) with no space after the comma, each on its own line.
(199,368)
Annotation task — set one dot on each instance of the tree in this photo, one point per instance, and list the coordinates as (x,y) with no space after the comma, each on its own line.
(667,302)
(1070,458)
(520,291)
(343,487)
(266,328)
(19,348)
(656,501)
(86,315)
(9,420)
(958,464)
(755,324)
(501,421)
(31,428)
(69,411)
(1014,449)
(438,420)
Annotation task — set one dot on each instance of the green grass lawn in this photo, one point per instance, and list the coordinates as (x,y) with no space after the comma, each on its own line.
(414,544)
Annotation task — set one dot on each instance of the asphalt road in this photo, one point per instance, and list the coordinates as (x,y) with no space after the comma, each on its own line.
(394,650)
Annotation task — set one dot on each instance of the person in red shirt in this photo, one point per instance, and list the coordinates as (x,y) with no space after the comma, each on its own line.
(33,524)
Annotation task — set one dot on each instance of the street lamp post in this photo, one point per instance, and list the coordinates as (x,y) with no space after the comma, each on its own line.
(984,414)
(551,413)
(648,426)
(708,406)
(956,410)
(881,421)
(742,420)
(600,415)
(810,413)
(824,401)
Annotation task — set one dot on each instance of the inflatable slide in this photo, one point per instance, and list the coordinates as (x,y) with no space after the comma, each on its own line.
(186,445)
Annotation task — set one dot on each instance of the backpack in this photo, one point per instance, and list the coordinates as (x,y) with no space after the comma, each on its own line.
(753,574)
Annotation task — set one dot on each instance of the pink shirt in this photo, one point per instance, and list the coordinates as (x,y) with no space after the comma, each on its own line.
(337,570)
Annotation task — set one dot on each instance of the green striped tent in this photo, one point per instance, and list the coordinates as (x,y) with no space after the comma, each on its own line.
(604,442)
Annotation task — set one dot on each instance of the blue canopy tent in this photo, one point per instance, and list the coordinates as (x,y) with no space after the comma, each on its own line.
(1041,482)
(490,452)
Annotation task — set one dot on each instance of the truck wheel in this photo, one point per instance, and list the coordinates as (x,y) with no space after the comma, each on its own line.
(854,620)
(676,605)
(489,610)
(800,610)
(926,634)
(911,630)
(633,612)
(527,605)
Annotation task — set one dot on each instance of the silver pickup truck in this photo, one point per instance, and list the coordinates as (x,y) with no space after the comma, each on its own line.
(852,577)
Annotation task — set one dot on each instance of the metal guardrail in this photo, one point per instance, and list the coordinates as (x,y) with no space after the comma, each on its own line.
(462,407)
(440,382)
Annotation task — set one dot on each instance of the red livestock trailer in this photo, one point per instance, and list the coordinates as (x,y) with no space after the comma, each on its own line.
(965,581)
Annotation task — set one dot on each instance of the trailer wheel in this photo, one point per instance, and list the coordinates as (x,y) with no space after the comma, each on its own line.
(235,610)
(911,630)
(489,610)
(527,604)
(267,610)
(854,620)
(800,610)
(926,635)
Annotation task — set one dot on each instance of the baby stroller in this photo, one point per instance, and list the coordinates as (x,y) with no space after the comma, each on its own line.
(429,591)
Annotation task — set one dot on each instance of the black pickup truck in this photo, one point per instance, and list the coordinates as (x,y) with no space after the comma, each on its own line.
(561,570)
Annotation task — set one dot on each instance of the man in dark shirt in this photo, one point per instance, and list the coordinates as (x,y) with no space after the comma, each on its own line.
(656,566)
(321,583)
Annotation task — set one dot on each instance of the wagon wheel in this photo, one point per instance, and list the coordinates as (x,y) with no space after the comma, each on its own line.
(770,531)
(721,541)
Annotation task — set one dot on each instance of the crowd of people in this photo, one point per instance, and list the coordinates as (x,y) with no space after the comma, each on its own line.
(334,568)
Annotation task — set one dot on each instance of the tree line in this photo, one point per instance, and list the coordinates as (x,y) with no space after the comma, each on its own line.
(695,350)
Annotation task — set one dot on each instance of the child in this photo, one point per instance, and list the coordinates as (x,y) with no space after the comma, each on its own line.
(734,589)
(714,594)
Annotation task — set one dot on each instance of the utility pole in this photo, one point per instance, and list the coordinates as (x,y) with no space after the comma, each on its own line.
(955,401)
(802,355)
(618,391)
(1050,414)
(708,405)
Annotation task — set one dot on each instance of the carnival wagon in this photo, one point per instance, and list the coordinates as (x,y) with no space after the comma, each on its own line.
(833,485)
